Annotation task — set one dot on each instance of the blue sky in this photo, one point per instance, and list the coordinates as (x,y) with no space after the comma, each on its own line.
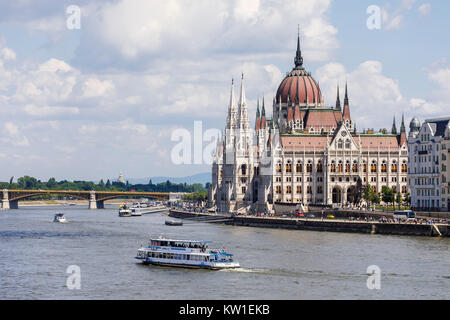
(90,103)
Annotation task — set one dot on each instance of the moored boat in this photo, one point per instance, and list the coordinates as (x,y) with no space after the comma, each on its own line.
(173,223)
(59,217)
(185,253)
(124,211)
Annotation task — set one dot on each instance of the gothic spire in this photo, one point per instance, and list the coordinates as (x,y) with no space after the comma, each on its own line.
(402,128)
(257,109)
(346,95)
(242,95)
(338,100)
(394,127)
(263,108)
(298,57)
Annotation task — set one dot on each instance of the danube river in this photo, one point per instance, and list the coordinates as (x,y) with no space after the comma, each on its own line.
(276,264)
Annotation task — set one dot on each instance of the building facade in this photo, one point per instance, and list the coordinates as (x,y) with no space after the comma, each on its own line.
(306,153)
(429,147)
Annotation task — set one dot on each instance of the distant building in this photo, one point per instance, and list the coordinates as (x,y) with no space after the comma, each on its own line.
(121,178)
(429,147)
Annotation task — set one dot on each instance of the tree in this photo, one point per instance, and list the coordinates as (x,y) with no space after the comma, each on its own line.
(387,195)
(51,183)
(399,200)
(408,198)
(108,184)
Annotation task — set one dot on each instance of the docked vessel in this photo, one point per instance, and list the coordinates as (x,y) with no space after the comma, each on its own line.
(136,212)
(173,223)
(59,217)
(124,211)
(185,253)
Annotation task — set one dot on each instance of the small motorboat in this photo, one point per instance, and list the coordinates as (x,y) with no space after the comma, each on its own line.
(173,223)
(59,217)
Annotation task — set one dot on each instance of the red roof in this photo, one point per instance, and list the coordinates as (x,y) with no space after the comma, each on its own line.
(300,143)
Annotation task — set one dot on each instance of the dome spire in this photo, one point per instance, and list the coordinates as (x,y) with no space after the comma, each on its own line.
(298,57)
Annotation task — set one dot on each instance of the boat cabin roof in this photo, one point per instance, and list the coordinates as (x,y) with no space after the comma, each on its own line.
(180,241)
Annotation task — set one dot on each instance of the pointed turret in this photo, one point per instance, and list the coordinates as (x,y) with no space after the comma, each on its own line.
(243,112)
(403,138)
(394,127)
(232,109)
(338,100)
(263,115)
(346,112)
(258,119)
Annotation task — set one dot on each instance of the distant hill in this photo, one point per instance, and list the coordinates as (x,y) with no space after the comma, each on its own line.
(202,178)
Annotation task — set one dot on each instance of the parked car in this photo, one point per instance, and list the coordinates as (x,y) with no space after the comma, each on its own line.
(311,215)
(330,216)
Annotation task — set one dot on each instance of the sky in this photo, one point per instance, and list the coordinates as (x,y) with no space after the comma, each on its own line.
(87,101)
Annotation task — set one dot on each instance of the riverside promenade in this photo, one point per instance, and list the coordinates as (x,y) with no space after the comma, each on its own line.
(319,224)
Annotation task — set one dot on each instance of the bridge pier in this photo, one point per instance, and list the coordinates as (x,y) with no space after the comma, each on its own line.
(94,203)
(8,204)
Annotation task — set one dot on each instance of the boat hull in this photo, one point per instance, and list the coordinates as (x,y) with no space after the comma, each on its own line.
(191,266)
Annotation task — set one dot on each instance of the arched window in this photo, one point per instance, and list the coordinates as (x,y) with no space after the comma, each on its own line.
(340,144)
(404,167)
(319,166)
(333,166)
(394,167)
(384,166)
(309,167)
(364,166)
(347,166)
(355,166)
(289,166)
(279,167)
(288,189)
(373,167)
(244,169)
(347,144)
(299,167)
(299,189)
(340,166)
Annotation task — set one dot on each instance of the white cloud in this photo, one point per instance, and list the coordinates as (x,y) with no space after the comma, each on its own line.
(93,87)
(373,96)
(424,9)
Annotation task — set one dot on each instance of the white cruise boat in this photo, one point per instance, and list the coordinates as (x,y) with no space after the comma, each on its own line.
(59,217)
(185,253)
(136,212)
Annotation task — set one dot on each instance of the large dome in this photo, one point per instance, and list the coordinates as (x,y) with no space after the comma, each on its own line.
(300,88)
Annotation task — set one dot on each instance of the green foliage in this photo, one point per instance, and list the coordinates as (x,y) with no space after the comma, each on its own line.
(30,183)
(196,196)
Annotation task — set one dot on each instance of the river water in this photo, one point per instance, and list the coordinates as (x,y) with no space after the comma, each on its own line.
(276,264)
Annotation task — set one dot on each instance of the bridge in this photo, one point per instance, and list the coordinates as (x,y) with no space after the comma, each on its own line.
(10,198)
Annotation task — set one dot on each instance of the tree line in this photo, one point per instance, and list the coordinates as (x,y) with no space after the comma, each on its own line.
(31,183)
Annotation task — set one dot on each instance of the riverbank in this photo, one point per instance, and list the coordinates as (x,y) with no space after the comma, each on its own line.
(65,203)
(314,224)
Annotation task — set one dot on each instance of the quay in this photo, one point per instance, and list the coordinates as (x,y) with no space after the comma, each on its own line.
(318,224)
